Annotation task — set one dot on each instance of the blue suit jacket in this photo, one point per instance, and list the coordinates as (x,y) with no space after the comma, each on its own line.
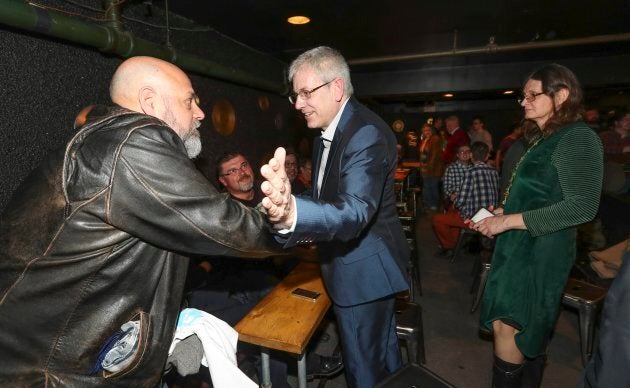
(362,248)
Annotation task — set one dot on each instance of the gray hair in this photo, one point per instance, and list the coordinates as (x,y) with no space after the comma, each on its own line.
(327,63)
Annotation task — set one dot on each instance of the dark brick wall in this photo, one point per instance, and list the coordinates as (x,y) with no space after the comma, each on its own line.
(44,83)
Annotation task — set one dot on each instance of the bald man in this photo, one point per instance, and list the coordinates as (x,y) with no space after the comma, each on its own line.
(94,238)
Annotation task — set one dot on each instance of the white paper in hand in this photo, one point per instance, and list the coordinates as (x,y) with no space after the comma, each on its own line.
(481,214)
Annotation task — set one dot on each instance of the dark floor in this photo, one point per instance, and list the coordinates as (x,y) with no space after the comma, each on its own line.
(454,350)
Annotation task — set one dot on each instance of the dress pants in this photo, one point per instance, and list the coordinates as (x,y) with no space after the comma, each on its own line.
(369,341)
(447,227)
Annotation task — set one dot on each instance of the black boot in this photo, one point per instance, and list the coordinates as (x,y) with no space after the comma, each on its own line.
(533,371)
(506,374)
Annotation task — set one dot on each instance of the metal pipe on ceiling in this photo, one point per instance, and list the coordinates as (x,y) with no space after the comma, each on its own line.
(112,39)
(494,48)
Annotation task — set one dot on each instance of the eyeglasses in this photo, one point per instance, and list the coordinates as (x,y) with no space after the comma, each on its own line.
(530,97)
(305,94)
(233,171)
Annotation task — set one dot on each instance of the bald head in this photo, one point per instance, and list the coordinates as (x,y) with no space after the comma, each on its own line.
(137,73)
(159,89)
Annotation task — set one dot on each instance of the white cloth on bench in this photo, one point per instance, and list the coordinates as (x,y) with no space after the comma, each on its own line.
(219,346)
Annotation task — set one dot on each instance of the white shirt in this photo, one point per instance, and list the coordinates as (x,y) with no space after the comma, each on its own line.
(328,135)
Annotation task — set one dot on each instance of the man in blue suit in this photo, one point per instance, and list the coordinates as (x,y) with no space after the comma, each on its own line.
(350,213)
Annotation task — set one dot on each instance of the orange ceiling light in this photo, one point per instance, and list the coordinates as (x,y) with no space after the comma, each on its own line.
(448,95)
(507,92)
(298,19)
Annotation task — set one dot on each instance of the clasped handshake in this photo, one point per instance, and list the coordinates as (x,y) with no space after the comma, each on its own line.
(277,189)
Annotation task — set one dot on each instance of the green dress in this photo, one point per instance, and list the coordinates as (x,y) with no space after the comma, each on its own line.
(556,186)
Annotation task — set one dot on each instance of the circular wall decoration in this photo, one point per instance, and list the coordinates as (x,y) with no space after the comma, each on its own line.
(398,125)
(263,103)
(223,117)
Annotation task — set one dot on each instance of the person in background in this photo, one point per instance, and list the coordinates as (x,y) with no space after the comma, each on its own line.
(456,138)
(478,132)
(616,142)
(479,189)
(591,118)
(556,186)
(236,176)
(454,176)
(234,286)
(351,214)
(440,130)
(291,164)
(432,167)
(98,236)
(82,116)
(506,143)
(303,180)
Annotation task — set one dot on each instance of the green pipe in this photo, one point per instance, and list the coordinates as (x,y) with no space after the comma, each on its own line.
(109,39)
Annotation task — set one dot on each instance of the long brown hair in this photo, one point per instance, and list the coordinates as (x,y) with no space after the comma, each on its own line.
(555,77)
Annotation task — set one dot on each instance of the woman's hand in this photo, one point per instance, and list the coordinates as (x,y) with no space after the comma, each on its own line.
(490,226)
(498,224)
(497,212)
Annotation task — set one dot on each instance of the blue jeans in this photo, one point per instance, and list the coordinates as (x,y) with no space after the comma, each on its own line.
(431,191)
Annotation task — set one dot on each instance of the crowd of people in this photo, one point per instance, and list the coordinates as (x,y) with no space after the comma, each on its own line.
(542,181)
(100,235)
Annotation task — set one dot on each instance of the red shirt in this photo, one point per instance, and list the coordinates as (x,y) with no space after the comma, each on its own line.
(456,139)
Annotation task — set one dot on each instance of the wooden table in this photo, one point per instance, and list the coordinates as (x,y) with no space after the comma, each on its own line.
(408,164)
(285,322)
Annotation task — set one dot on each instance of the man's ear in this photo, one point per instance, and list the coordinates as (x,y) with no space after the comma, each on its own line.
(222,180)
(560,97)
(148,99)
(338,89)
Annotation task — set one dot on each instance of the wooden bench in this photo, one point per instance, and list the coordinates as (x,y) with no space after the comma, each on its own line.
(285,322)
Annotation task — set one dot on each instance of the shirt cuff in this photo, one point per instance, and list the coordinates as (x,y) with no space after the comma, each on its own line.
(292,228)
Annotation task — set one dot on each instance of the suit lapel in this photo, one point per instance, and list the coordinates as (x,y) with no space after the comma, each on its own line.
(317,152)
(337,141)
(332,156)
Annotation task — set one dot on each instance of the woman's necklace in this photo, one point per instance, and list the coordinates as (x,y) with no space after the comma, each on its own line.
(507,190)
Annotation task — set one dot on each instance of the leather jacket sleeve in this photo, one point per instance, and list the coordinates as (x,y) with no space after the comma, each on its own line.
(159,196)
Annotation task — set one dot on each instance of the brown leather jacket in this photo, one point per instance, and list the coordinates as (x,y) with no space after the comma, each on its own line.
(94,238)
(431,157)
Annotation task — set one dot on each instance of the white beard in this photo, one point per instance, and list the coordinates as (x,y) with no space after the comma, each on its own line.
(192,142)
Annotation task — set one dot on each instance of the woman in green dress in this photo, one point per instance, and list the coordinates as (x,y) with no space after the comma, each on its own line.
(555,187)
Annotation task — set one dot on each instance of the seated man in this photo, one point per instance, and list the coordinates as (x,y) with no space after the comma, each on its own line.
(303,180)
(233,287)
(454,175)
(480,188)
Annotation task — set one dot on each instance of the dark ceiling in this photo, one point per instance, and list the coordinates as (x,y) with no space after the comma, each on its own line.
(447,41)
(365,28)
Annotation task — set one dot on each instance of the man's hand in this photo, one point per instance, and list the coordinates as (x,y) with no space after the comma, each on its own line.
(277,188)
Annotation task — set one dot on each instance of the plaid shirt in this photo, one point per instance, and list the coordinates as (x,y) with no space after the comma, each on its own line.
(480,188)
(453,177)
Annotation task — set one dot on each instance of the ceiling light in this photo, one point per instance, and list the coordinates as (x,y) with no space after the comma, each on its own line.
(508,92)
(298,19)
(448,95)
